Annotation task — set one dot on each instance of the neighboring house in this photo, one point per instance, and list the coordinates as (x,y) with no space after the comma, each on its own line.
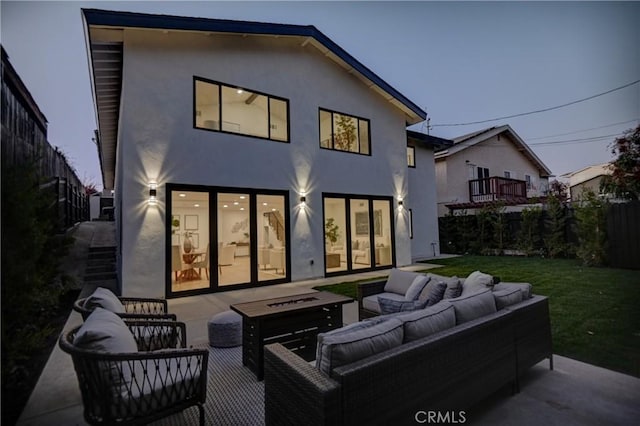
(489,165)
(245,154)
(588,178)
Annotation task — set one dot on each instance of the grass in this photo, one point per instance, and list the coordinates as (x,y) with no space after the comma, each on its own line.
(595,312)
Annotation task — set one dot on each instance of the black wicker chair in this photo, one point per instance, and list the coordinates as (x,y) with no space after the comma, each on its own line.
(140,387)
(136,308)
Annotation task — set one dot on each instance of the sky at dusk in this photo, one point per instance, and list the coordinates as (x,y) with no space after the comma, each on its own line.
(461,62)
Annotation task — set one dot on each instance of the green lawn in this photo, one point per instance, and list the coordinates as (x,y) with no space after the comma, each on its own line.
(595,312)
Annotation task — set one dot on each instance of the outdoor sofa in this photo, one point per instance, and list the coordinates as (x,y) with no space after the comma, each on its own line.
(384,372)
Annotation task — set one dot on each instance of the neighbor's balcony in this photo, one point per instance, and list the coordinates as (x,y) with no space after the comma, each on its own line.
(496,188)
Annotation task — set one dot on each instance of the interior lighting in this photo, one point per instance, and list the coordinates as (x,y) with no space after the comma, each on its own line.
(182,194)
(235,203)
(196,205)
(239,91)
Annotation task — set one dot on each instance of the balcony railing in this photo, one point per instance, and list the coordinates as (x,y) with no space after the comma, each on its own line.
(496,188)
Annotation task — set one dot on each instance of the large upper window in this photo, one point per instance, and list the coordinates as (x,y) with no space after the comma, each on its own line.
(225,108)
(344,132)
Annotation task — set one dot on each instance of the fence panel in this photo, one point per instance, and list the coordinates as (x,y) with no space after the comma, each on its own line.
(623,229)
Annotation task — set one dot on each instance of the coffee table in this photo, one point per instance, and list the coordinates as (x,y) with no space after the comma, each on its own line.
(293,321)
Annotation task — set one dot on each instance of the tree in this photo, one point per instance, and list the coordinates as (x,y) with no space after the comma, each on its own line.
(624,182)
(591,223)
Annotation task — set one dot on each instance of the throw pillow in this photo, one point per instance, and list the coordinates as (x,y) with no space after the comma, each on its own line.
(104,298)
(476,282)
(454,286)
(416,287)
(368,338)
(507,297)
(473,306)
(399,281)
(390,306)
(433,292)
(427,321)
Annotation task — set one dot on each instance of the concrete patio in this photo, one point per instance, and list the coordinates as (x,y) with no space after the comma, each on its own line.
(574,393)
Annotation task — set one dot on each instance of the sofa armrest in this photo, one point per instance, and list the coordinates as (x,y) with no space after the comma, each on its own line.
(369,288)
(297,393)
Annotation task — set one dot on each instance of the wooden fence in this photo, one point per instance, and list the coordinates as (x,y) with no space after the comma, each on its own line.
(623,232)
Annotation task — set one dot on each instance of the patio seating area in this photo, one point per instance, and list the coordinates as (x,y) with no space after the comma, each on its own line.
(573,393)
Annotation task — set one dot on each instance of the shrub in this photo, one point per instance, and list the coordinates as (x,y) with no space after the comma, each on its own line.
(591,217)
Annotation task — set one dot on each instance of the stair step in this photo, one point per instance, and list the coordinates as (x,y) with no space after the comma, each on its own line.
(101,255)
(100,276)
(93,269)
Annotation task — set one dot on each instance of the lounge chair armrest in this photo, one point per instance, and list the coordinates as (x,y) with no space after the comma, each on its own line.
(295,391)
(154,335)
(369,288)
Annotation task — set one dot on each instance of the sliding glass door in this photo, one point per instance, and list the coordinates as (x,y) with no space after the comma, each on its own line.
(358,233)
(224,238)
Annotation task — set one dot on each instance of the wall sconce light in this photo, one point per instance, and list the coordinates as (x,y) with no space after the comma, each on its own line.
(153,192)
(303,199)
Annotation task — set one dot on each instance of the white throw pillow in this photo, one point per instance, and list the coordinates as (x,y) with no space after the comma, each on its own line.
(476,282)
(416,287)
(105,331)
(104,298)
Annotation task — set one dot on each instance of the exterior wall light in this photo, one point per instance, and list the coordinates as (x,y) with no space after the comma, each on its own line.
(153,192)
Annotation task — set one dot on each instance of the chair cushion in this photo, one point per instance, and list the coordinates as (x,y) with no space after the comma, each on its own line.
(424,322)
(525,288)
(507,297)
(105,331)
(476,282)
(454,285)
(416,287)
(390,306)
(473,306)
(349,344)
(433,292)
(399,281)
(104,298)
(370,303)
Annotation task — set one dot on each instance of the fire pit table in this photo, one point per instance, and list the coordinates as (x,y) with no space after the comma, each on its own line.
(293,321)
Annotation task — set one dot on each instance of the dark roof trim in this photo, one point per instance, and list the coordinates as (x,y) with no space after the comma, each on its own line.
(169,22)
(428,140)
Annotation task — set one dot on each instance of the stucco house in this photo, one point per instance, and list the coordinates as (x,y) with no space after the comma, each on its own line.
(245,154)
(489,165)
(589,177)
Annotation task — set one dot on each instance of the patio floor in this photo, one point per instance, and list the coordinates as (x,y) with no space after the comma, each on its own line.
(574,393)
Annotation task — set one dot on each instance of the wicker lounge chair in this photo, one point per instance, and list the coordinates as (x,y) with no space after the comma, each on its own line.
(136,308)
(140,387)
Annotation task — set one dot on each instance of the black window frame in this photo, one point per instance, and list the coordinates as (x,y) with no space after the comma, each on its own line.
(236,87)
(357,118)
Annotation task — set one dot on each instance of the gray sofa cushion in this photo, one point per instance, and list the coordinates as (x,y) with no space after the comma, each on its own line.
(476,281)
(105,331)
(371,302)
(104,298)
(340,347)
(473,306)
(390,306)
(507,297)
(399,281)
(454,285)
(525,288)
(416,287)
(433,292)
(422,323)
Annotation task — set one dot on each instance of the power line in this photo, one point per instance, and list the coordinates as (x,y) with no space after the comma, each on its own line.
(584,130)
(539,110)
(581,140)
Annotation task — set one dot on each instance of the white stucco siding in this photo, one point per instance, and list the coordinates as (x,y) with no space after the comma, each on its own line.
(158,142)
(422,202)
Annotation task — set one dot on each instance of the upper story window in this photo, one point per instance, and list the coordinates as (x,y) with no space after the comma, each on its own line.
(240,111)
(344,132)
(411,156)
(528,179)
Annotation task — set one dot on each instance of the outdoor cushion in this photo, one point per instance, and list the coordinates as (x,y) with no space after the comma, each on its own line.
(454,285)
(371,302)
(416,287)
(390,306)
(507,297)
(476,282)
(422,323)
(399,281)
(105,331)
(473,306)
(104,298)
(371,337)
(433,292)
(525,288)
